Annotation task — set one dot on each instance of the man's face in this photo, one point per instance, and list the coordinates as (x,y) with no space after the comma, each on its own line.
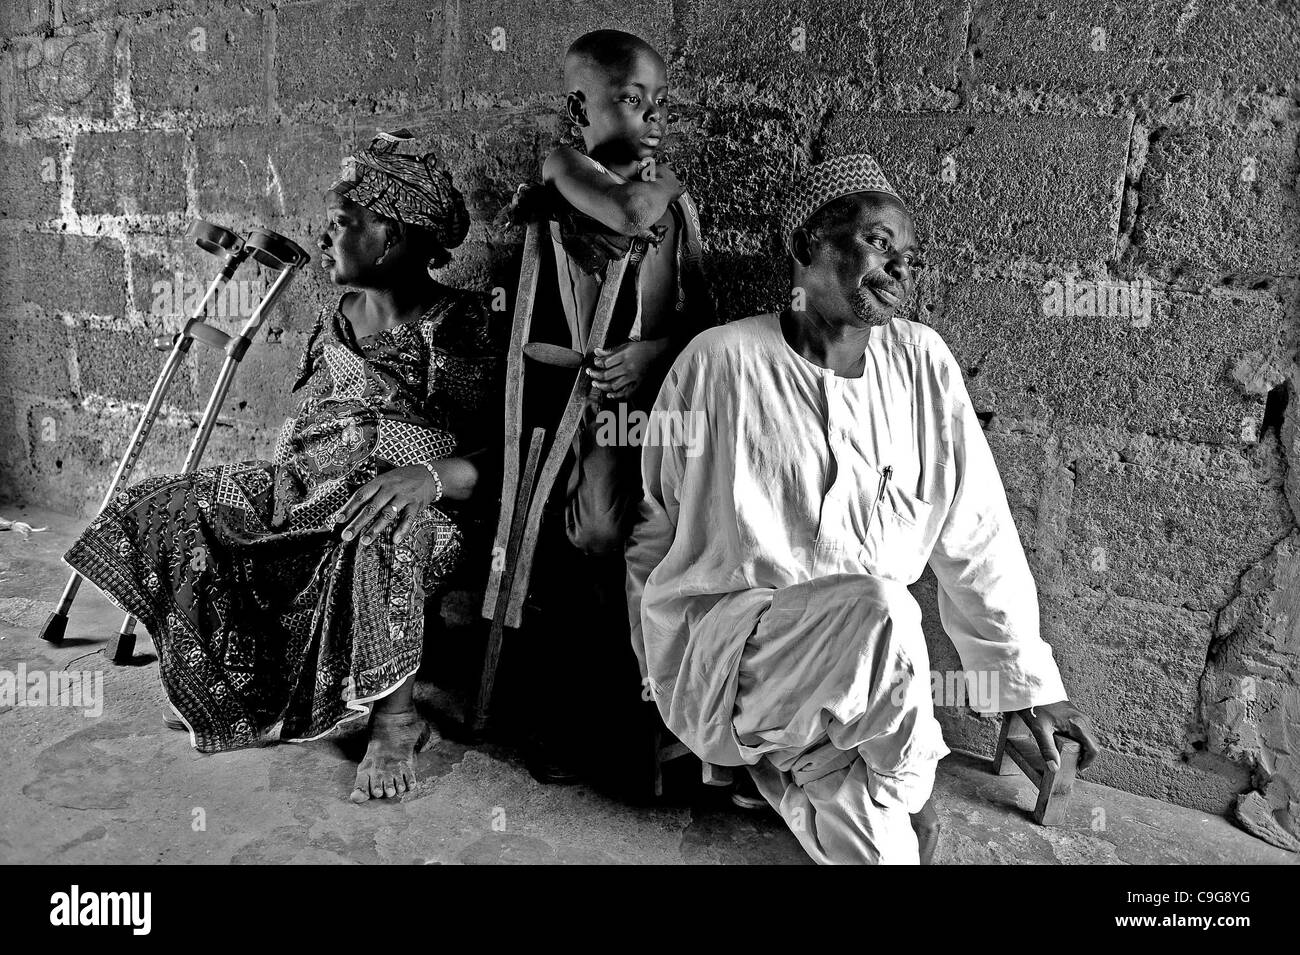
(627,112)
(352,242)
(860,268)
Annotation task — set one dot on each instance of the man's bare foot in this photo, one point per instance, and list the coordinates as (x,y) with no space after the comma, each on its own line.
(388,768)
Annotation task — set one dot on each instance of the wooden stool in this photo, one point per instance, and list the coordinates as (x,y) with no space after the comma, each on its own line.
(1054,788)
(668,747)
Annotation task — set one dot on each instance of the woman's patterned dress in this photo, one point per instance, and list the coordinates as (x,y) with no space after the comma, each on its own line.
(268,626)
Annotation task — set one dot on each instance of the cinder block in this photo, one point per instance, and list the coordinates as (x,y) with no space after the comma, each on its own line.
(736,163)
(18,17)
(73,453)
(919,42)
(1047,187)
(899,43)
(33,173)
(90,273)
(1026,463)
(124,365)
(204,64)
(1166,44)
(1245,44)
(1198,782)
(84,11)
(1249,704)
(63,77)
(135,172)
(1070,44)
(768,45)
(266,173)
(355,52)
(1170,537)
(1169,377)
(261,394)
(1220,201)
(1132,666)
(14,470)
(514,49)
(744,285)
(35,349)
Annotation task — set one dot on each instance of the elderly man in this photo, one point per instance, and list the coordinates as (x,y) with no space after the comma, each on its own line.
(768,572)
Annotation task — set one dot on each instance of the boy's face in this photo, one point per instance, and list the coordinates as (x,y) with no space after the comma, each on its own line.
(352,242)
(861,268)
(626,115)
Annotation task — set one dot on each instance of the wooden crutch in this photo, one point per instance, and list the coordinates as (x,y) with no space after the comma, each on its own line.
(522,501)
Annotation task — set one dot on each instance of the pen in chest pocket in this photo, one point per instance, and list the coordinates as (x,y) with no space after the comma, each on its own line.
(885,474)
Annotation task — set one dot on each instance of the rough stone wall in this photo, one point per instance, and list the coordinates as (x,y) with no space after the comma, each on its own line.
(1146,457)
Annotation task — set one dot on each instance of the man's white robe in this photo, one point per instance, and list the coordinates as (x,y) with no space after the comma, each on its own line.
(786,510)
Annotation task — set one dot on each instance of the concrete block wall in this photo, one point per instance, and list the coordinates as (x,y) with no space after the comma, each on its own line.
(1150,462)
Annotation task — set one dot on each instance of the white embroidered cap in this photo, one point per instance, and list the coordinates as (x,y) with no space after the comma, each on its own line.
(828,181)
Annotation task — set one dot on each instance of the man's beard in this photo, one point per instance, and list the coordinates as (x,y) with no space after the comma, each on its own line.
(868,309)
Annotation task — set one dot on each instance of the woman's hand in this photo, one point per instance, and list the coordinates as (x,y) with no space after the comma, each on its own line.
(394,500)
(619,371)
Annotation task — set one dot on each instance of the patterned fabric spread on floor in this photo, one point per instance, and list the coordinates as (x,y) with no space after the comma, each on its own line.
(267,625)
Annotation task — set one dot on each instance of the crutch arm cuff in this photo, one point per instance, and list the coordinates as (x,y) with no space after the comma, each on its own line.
(202,331)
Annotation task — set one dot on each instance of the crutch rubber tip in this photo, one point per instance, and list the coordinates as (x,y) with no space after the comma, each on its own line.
(56,624)
(121,649)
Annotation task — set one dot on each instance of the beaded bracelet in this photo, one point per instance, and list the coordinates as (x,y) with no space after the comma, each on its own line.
(437,481)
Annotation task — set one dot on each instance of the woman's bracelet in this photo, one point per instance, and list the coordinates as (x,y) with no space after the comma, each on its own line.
(437,481)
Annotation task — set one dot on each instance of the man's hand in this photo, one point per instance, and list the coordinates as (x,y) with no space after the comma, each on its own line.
(1047,719)
(619,371)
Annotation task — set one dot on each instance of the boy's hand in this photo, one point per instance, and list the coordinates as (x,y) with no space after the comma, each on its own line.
(532,202)
(619,371)
(663,177)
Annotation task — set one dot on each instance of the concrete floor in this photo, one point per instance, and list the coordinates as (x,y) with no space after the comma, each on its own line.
(122,788)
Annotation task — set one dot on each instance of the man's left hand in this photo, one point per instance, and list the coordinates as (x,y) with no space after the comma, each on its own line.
(1047,719)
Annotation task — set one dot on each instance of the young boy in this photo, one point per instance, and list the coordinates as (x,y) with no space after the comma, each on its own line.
(608,198)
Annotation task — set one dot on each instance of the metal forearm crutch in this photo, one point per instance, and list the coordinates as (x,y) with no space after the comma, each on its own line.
(522,503)
(269,249)
(218,241)
(273,251)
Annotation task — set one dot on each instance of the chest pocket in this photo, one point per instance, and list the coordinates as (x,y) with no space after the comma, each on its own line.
(897,531)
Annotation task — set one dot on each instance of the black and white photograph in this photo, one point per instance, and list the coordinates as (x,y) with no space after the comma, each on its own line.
(684,432)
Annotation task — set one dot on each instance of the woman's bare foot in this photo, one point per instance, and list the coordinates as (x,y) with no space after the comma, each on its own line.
(388,768)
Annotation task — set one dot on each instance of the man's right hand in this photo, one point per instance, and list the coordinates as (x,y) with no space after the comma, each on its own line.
(1048,719)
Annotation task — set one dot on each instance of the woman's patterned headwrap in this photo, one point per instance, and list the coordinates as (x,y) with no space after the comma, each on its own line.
(395,180)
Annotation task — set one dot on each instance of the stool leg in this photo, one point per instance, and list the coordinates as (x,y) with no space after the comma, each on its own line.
(1056,788)
(1002,764)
